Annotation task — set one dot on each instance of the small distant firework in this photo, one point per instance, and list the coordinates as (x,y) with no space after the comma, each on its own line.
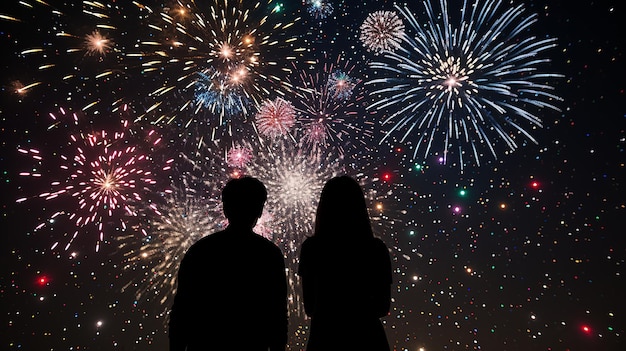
(275,118)
(340,85)
(319,9)
(105,177)
(465,86)
(97,44)
(238,156)
(315,133)
(382,31)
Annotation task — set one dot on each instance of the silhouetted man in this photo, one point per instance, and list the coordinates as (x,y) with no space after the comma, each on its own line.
(232,288)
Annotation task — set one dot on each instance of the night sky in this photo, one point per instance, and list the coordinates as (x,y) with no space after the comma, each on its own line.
(113,156)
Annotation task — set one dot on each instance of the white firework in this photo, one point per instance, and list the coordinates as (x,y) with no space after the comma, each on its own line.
(466,87)
(382,31)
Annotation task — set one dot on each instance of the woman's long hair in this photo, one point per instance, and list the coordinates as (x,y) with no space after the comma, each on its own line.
(341,211)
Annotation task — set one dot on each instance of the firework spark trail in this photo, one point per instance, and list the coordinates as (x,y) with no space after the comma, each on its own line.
(107,176)
(468,85)
(79,46)
(217,61)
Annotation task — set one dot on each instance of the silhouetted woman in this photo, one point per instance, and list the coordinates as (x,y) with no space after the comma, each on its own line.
(345,273)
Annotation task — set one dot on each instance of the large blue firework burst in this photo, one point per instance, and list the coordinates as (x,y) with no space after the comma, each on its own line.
(464,88)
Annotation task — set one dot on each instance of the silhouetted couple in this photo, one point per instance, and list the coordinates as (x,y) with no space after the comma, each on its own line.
(232,285)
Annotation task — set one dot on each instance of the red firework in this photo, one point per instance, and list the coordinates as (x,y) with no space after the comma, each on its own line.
(275,118)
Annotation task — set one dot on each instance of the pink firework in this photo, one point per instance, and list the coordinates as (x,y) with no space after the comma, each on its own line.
(104,178)
(275,118)
(238,156)
(315,133)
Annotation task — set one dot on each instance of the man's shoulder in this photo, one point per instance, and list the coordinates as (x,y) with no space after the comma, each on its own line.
(218,240)
(264,242)
(208,241)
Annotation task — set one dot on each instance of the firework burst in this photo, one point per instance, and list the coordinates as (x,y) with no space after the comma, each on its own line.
(239,156)
(97,44)
(327,100)
(467,86)
(340,85)
(294,180)
(213,60)
(382,31)
(275,118)
(319,9)
(104,177)
(220,94)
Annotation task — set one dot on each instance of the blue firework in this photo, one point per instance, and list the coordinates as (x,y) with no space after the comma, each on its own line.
(216,93)
(464,87)
(319,9)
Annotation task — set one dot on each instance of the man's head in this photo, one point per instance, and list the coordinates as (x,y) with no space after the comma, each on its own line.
(243,200)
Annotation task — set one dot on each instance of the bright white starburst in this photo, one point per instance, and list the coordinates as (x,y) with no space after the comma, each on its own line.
(461,88)
(382,31)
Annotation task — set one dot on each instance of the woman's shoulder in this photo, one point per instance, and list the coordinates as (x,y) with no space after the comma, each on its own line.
(309,243)
(378,244)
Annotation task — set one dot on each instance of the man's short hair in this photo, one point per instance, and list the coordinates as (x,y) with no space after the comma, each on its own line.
(243,198)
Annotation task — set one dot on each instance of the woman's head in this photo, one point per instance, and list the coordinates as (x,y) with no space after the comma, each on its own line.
(342,209)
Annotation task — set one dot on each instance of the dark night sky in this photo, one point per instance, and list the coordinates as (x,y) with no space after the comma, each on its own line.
(520,266)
